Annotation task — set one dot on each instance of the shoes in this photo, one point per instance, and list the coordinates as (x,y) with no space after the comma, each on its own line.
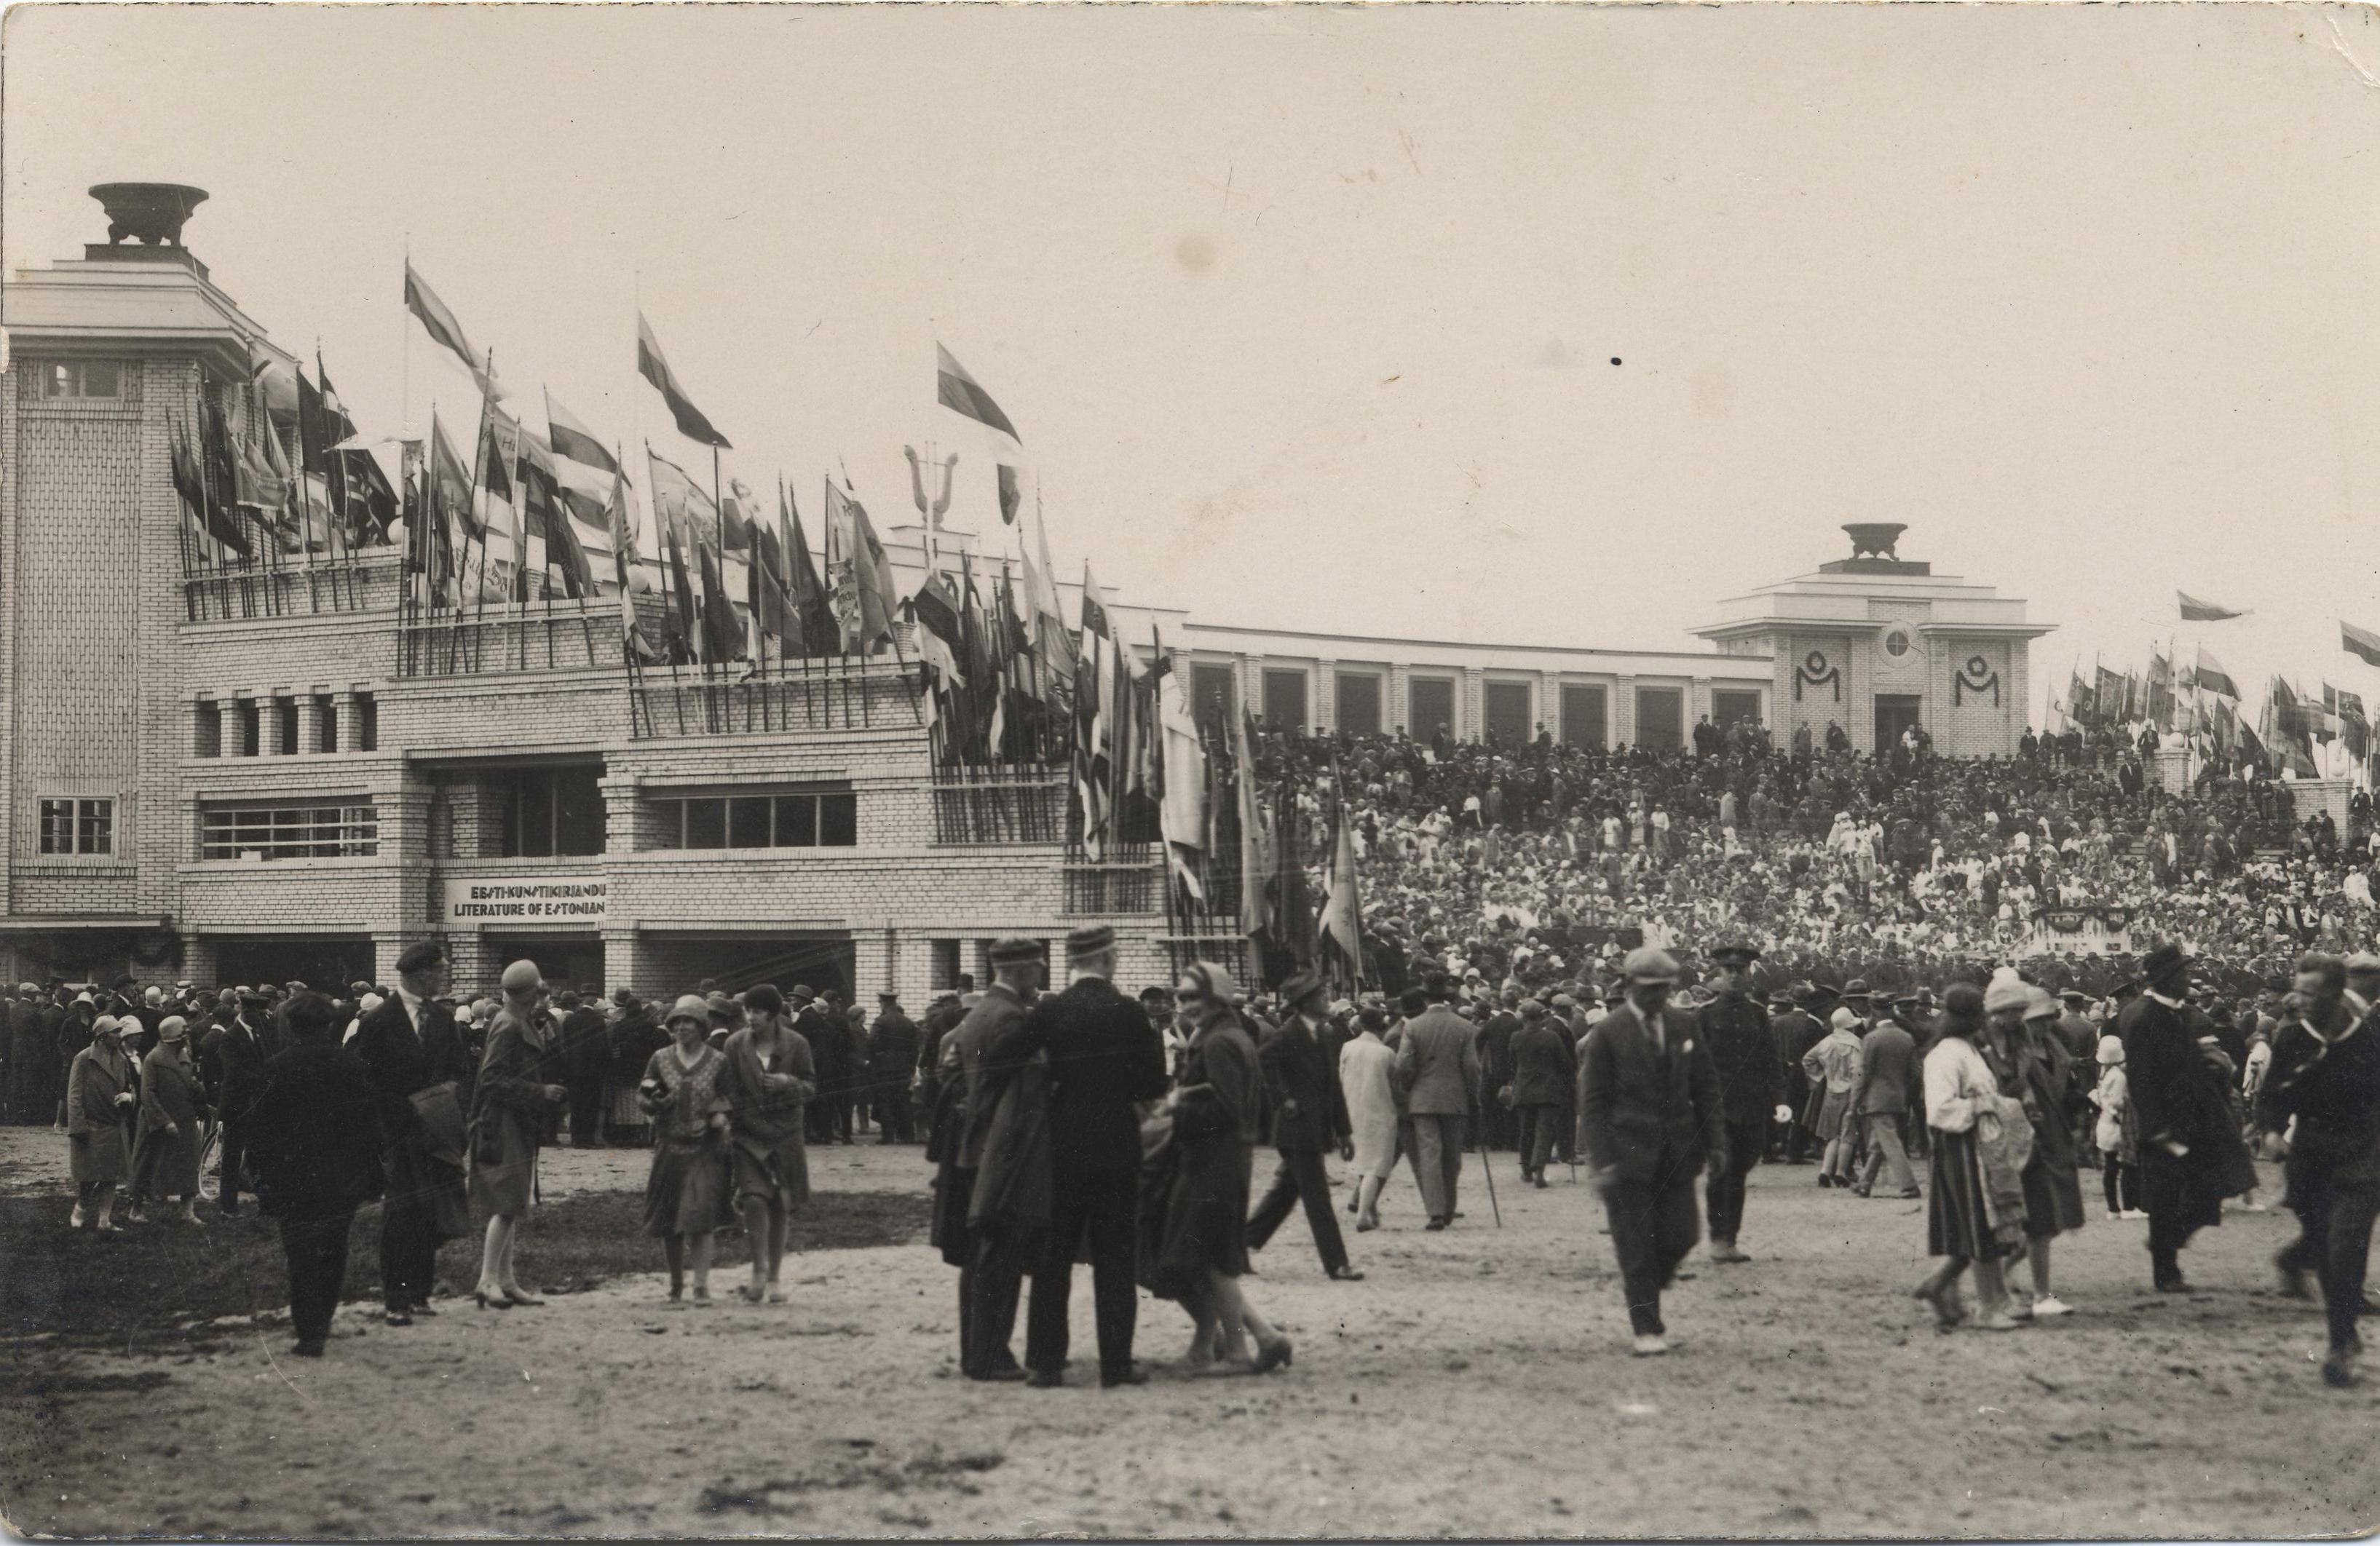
(2113,1214)
(480,1298)
(1354,1206)
(1010,1375)
(1345,1275)
(1861,1192)
(1911,1193)
(1649,1345)
(1541,1183)
(2176,1285)
(1366,1225)
(2292,1278)
(308,1349)
(2135,1214)
(2019,1312)
(1046,1379)
(424,1308)
(397,1318)
(1435,1223)
(1826,1178)
(1135,1375)
(2003,1322)
(2339,1370)
(1273,1355)
(2050,1307)
(1724,1251)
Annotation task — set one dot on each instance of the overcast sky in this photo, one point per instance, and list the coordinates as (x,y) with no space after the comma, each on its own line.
(1523,324)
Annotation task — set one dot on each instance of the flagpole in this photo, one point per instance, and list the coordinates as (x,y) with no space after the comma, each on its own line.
(479,512)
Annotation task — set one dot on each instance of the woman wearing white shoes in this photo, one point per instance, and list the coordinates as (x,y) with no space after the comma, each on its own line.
(1975,1210)
(685,1093)
(2033,1066)
(1366,1075)
(100,1095)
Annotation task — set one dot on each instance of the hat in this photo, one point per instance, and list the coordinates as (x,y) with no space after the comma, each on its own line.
(887,995)
(2164,961)
(250,996)
(173,1028)
(521,977)
(1962,1006)
(624,998)
(765,997)
(1014,950)
(370,1002)
(2111,1051)
(801,995)
(2362,963)
(154,996)
(689,1005)
(1159,994)
(1533,1008)
(2038,1005)
(1842,1019)
(421,957)
(1740,951)
(1564,1001)
(1343,1007)
(359,989)
(1085,943)
(1205,977)
(718,1006)
(1855,988)
(106,1025)
(1301,983)
(2074,995)
(1646,964)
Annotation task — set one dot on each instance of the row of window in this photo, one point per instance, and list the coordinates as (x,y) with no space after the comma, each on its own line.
(1506,706)
(235,726)
(829,819)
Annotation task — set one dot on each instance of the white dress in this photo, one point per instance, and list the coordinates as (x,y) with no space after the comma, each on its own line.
(1365,1065)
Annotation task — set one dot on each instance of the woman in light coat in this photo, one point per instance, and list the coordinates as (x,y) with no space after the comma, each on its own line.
(99,1097)
(1366,1071)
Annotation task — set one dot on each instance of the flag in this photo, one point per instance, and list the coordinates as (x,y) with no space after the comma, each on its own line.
(768,603)
(336,425)
(443,328)
(632,633)
(680,504)
(871,574)
(678,620)
(654,368)
(1008,495)
(450,485)
(1255,845)
(1182,807)
(735,517)
(2107,696)
(313,444)
(1053,647)
(190,482)
(371,507)
(2211,677)
(939,631)
(813,612)
(956,390)
(2195,610)
(722,635)
(574,442)
(2360,643)
(1342,913)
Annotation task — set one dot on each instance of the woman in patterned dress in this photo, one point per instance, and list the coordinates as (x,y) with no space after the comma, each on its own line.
(686,1196)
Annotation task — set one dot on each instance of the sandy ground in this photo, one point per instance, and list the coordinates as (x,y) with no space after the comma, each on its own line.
(1478,1384)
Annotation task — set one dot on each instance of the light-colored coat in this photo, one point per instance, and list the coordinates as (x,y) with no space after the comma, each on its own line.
(1366,1076)
(1438,1064)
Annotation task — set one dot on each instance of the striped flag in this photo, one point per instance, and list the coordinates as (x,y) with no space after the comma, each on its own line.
(444,329)
(957,390)
(654,368)
(2212,678)
(2195,610)
(2360,643)
(574,442)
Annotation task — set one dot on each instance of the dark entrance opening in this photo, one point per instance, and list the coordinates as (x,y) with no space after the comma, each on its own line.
(739,960)
(1895,712)
(326,963)
(563,960)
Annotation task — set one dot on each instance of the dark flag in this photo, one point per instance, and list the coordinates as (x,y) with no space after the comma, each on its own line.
(2195,610)
(654,368)
(371,503)
(723,636)
(1008,495)
(814,626)
(677,618)
(444,329)
(2211,677)
(2360,643)
(956,389)
(450,484)
(190,482)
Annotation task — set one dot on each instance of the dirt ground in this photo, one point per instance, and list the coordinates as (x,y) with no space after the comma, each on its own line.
(1477,1383)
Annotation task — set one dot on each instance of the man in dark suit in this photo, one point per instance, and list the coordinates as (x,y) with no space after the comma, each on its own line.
(1735,1028)
(1103,1058)
(586,1056)
(2191,1157)
(2325,1073)
(313,1132)
(1880,1102)
(1797,1030)
(822,1025)
(1649,1118)
(1309,1120)
(893,1044)
(1496,1033)
(1542,1068)
(406,1045)
(991,1262)
(238,1049)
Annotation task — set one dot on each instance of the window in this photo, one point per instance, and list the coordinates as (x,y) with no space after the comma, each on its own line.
(1211,695)
(77,826)
(286,713)
(1284,701)
(824,818)
(1583,716)
(265,832)
(946,965)
(1661,718)
(545,811)
(367,723)
(1430,700)
(83,378)
(1359,703)
(1508,713)
(326,721)
(1728,706)
(248,725)
(206,736)
(1896,641)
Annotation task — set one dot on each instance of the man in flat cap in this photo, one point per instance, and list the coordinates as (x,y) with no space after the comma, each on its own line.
(1309,1120)
(991,1262)
(414,1056)
(2191,1157)
(1103,1058)
(2325,1075)
(1751,1078)
(1650,1120)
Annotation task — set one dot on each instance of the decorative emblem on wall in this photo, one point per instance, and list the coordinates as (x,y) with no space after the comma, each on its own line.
(1814,672)
(1976,677)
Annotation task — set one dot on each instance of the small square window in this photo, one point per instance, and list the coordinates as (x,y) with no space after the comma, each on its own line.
(706,824)
(83,379)
(838,820)
(72,827)
(797,821)
(748,823)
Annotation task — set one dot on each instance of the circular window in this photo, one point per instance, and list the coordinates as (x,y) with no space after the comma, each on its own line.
(1896,641)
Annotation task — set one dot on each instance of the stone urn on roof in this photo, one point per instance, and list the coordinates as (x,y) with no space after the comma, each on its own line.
(1874,538)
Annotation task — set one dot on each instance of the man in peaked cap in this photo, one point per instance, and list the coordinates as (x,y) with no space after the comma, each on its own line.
(990,1260)
(1309,1120)
(1751,1078)
(1650,1120)
(1103,1058)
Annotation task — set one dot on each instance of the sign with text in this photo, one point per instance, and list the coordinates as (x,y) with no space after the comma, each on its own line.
(481,901)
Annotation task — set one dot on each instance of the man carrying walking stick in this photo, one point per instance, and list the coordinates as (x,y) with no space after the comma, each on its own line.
(1438,1065)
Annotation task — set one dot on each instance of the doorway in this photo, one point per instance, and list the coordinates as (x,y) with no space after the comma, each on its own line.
(1895,712)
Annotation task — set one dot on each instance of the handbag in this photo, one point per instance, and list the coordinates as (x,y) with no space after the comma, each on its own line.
(440,1109)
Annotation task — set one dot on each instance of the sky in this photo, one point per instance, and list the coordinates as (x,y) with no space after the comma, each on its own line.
(1526,324)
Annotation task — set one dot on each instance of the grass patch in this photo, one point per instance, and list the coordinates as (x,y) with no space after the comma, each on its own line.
(155,1287)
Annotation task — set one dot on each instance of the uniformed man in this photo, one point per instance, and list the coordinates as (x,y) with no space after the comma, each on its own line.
(2325,1075)
(1751,1080)
(1797,1030)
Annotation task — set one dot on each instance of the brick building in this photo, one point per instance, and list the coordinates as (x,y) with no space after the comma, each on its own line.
(277,768)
